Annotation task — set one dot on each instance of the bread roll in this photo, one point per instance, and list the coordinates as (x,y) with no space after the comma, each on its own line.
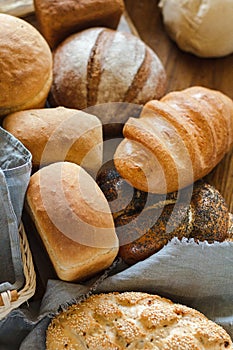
(145,222)
(25,66)
(211,214)
(122,197)
(202,27)
(205,219)
(58,134)
(73,220)
(176,140)
(58,19)
(134,320)
(100,65)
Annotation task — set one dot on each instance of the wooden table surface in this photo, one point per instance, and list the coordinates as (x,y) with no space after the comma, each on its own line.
(184,70)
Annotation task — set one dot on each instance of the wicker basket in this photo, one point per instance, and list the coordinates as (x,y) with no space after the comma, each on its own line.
(13,299)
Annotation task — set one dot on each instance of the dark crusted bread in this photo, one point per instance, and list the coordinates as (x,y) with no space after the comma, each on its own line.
(146,222)
(60,18)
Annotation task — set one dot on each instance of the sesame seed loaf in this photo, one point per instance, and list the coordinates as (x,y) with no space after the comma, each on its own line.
(134,320)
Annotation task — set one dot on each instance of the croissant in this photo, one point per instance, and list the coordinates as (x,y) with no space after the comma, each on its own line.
(176,140)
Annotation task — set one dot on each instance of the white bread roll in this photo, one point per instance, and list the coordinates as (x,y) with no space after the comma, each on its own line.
(58,19)
(100,65)
(58,134)
(73,219)
(134,320)
(25,66)
(203,27)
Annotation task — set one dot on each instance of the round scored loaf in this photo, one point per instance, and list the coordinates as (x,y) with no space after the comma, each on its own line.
(73,220)
(58,134)
(134,320)
(72,16)
(25,66)
(100,65)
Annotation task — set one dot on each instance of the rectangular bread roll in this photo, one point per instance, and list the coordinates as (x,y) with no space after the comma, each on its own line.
(73,220)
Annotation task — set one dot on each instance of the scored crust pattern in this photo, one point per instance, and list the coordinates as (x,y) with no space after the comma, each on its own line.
(134,320)
(94,66)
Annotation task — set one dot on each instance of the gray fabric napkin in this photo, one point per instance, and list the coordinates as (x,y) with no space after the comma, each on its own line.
(198,275)
(15,170)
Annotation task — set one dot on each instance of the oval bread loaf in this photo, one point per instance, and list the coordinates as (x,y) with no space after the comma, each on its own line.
(202,27)
(100,65)
(134,320)
(73,220)
(59,134)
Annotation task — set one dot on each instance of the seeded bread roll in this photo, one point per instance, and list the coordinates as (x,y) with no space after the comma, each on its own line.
(112,67)
(58,19)
(25,66)
(146,222)
(134,320)
(73,220)
(59,134)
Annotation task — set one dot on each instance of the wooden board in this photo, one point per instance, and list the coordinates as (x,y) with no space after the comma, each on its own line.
(184,70)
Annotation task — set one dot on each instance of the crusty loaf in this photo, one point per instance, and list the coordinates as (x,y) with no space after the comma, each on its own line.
(73,220)
(134,320)
(58,19)
(58,134)
(100,65)
(176,140)
(25,66)
(145,222)
(205,219)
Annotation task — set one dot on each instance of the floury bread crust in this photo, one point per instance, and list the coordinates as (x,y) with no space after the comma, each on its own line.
(202,27)
(25,66)
(176,140)
(134,320)
(58,134)
(73,16)
(73,220)
(94,66)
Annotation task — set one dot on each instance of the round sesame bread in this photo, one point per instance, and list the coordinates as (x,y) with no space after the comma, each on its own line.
(134,320)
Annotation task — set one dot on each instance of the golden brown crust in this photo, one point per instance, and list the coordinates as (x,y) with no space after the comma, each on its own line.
(184,151)
(104,62)
(73,219)
(73,16)
(26,66)
(58,134)
(134,320)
